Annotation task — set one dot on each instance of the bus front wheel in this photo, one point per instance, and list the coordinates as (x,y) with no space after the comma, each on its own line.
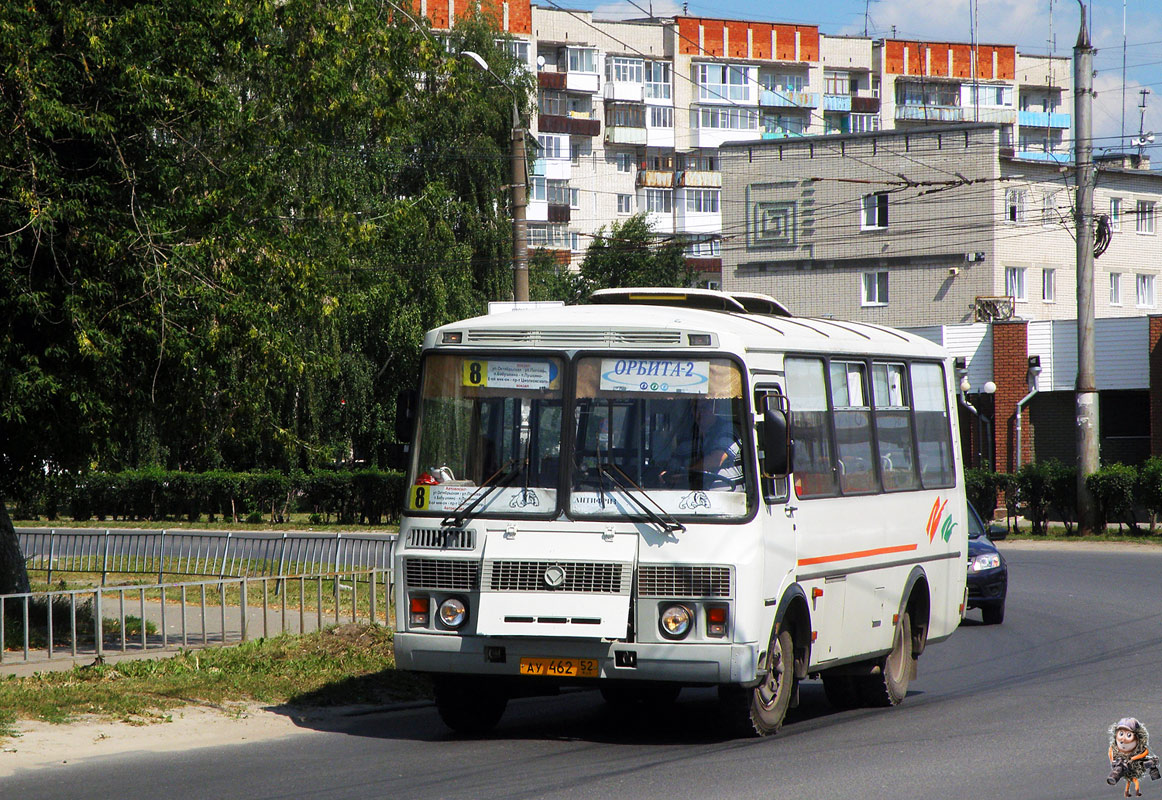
(470,704)
(765,706)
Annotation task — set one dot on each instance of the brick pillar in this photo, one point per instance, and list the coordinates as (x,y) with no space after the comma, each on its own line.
(1010,371)
(1155,385)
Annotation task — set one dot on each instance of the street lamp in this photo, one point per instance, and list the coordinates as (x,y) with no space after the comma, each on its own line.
(520,260)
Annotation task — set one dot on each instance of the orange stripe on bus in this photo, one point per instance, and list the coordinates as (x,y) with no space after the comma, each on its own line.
(879,551)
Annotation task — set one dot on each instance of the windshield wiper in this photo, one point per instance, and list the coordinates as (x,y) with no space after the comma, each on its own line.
(662,518)
(502,477)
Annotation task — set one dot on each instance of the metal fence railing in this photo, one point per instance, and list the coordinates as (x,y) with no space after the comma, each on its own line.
(184,552)
(83,623)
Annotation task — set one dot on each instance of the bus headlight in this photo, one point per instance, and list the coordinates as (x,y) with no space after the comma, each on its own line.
(453,612)
(675,621)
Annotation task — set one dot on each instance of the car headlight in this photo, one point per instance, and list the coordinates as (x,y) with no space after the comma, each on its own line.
(453,612)
(983,562)
(675,621)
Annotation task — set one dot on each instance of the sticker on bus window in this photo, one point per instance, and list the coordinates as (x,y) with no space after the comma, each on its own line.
(670,375)
(509,374)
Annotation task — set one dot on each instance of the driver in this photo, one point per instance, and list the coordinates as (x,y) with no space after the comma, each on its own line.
(707,445)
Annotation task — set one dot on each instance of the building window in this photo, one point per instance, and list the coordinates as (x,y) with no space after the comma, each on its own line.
(1015,205)
(865,123)
(1015,283)
(555,237)
(557,192)
(661,116)
(784,124)
(516,48)
(740,119)
(582,60)
(702,201)
(874,287)
(625,204)
(704,248)
(1145,291)
(1049,285)
(660,201)
(723,82)
(657,74)
(874,214)
(574,198)
(625,115)
(1115,213)
(1115,288)
(1145,217)
(537,189)
(836,83)
(625,70)
(625,162)
(1050,214)
(552,146)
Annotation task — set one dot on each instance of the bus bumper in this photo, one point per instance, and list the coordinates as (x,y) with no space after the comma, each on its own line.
(692,663)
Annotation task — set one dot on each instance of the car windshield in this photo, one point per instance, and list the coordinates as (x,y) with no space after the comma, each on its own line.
(976,527)
(669,429)
(489,435)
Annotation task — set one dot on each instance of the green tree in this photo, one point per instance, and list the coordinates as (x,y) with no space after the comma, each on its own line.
(630,254)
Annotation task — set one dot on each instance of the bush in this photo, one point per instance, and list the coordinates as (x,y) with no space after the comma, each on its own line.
(1033,483)
(1063,493)
(1150,487)
(981,487)
(1113,489)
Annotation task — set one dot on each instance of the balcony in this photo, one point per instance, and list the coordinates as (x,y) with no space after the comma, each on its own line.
(1055,157)
(551,80)
(577,123)
(625,92)
(558,213)
(837,102)
(700,179)
(587,82)
(865,105)
(1006,116)
(785,98)
(655,178)
(929,114)
(1044,119)
(624,134)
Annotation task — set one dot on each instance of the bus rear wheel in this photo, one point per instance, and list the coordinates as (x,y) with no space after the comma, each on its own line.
(889,685)
(469,704)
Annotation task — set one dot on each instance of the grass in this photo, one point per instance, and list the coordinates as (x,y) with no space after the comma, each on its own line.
(337,666)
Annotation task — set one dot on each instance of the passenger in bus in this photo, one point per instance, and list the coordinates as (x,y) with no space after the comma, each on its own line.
(707,452)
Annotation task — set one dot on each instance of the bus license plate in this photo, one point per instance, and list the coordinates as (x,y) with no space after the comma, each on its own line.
(559,667)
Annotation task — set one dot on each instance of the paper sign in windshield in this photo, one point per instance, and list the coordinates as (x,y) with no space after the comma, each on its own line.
(509,374)
(673,376)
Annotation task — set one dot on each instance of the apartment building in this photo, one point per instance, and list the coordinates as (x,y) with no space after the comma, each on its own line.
(632,115)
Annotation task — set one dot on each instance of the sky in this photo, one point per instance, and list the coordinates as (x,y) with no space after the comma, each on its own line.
(1034,26)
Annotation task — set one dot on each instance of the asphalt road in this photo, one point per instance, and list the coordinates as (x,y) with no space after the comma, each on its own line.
(1015,711)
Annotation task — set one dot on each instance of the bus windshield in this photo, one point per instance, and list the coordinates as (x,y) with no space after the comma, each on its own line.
(489,435)
(671,427)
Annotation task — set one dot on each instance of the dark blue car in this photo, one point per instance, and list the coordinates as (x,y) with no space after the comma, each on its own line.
(988,574)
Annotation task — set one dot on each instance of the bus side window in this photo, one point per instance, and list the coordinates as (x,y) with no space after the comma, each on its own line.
(933,436)
(814,462)
(774,489)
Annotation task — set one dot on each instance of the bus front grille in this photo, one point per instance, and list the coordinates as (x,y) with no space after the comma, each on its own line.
(442,573)
(442,538)
(557,576)
(683,581)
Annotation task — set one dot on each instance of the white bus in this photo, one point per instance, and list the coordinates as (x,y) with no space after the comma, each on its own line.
(670,488)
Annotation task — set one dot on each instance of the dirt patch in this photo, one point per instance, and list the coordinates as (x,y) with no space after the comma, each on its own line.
(44,745)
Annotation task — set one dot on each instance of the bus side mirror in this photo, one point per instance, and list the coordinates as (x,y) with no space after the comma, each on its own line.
(777,443)
(405,416)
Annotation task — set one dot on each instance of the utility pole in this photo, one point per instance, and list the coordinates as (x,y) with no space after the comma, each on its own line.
(520,243)
(1086,387)
(520,240)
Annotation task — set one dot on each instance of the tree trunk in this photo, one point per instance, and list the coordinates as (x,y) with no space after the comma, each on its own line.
(13,575)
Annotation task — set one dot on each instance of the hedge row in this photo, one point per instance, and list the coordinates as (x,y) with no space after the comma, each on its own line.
(359,496)
(1048,489)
